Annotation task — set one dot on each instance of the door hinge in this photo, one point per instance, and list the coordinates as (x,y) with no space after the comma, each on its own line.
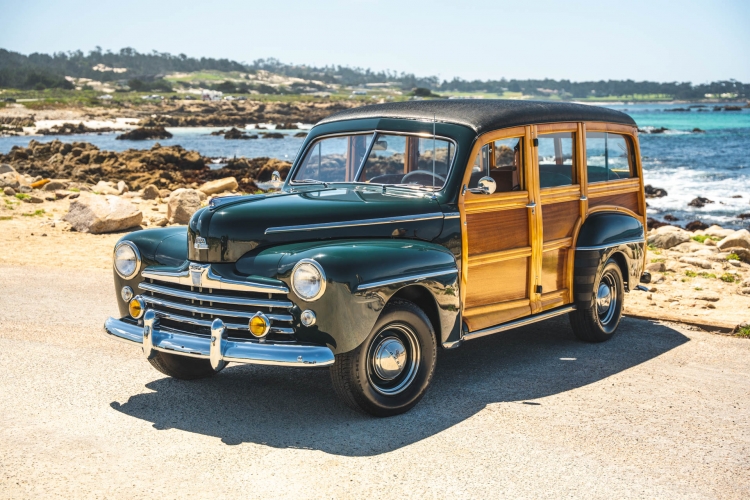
(539,289)
(536,142)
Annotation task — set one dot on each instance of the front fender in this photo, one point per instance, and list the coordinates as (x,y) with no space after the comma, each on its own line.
(158,247)
(362,276)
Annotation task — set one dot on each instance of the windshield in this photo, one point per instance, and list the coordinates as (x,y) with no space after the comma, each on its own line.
(380,158)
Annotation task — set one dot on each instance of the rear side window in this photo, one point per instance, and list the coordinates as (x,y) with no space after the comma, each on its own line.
(556,159)
(608,156)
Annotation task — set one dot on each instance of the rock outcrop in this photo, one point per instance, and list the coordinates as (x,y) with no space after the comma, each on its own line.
(144,133)
(102,214)
(166,167)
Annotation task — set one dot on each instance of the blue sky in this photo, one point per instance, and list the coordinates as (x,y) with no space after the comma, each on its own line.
(685,40)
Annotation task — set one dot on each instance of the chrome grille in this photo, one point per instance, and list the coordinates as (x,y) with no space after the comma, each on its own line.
(190,300)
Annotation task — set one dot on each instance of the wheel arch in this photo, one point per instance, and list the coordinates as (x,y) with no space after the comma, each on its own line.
(603,236)
(422,298)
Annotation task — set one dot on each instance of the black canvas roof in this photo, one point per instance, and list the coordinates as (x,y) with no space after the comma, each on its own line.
(484,115)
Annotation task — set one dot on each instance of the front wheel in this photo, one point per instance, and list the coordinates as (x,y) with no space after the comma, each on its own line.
(390,371)
(600,322)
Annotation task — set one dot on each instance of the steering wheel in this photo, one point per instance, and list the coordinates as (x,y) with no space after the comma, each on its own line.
(422,172)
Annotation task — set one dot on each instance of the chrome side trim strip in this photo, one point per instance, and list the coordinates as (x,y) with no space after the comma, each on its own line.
(519,322)
(219,299)
(353,223)
(404,279)
(210,311)
(207,323)
(292,355)
(453,216)
(642,239)
(208,279)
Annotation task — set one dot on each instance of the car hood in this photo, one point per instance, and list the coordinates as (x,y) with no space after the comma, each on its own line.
(228,231)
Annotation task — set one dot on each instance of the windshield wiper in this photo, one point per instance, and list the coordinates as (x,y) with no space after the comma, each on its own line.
(415,186)
(309,181)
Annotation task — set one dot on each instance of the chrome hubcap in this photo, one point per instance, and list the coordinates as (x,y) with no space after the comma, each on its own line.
(390,358)
(393,359)
(606,299)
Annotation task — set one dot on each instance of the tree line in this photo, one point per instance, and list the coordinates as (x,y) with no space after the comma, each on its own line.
(145,70)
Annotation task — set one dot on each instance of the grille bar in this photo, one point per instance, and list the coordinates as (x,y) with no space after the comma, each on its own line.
(207,323)
(208,279)
(210,311)
(220,299)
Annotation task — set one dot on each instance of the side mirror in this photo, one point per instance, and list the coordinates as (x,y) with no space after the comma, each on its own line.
(486,185)
(275,176)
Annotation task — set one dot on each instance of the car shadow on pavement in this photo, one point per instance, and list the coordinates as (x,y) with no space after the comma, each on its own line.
(295,408)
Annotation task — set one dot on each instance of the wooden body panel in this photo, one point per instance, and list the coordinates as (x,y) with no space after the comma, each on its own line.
(625,200)
(497,231)
(558,219)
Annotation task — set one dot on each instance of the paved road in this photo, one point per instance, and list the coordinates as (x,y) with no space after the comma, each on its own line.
(657,412)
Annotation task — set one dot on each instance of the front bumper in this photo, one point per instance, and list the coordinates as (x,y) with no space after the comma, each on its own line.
(217,349)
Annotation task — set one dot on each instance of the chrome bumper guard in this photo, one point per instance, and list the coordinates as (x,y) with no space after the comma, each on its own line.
(218,349)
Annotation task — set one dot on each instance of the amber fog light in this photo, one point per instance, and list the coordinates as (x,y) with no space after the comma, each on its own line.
(126,293)
(259,325)
(137,307)
(307,318)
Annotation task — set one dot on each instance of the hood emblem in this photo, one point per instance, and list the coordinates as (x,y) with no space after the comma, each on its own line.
(200,243)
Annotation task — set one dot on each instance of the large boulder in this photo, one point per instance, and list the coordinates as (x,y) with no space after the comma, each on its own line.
(9,177)
(739,238)
(182,204)
(219,185)
(668,237)
(102,214)
(695,261)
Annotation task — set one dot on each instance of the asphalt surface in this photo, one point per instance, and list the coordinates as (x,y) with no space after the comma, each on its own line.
(659,411)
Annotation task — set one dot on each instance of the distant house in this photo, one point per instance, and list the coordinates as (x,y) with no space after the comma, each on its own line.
(211,95)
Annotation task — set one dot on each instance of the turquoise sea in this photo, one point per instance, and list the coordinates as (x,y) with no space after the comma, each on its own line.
(714,163)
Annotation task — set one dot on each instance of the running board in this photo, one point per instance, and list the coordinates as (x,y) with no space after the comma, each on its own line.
(519,322)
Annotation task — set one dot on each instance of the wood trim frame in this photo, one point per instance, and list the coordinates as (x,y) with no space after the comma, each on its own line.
(471,203)
(475,203)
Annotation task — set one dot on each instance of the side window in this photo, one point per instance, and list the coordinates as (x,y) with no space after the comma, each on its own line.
(608,156)
(556,159)
(503,161)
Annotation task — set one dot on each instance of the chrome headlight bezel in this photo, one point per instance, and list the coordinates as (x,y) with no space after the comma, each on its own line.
(137,254)
(309,264)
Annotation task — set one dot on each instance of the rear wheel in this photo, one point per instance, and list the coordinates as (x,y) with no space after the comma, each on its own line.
(182,367)
(390,372)
(600,322)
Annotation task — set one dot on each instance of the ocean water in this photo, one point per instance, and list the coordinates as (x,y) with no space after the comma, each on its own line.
(714,164)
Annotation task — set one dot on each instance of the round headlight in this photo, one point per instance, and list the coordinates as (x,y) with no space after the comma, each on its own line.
(308,280)
(127,259)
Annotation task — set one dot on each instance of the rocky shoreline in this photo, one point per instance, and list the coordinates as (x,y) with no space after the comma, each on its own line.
(19,120)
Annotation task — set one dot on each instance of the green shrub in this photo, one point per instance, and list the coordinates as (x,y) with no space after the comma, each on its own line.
(728,278)
(35,213)
(733,256)
(690,274)
(744,332)
(706,275)
(22,196)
